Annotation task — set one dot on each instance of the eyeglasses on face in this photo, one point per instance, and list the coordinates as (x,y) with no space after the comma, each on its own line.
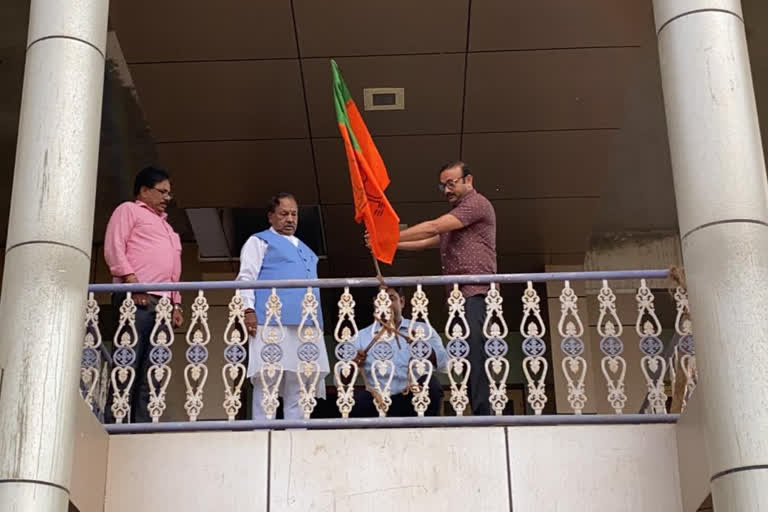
(163,191)
(450,184)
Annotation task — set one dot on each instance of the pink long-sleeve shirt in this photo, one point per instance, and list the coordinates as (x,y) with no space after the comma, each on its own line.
(140,241)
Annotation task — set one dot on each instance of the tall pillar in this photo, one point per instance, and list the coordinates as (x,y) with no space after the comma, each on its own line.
(722,204)
(48,250)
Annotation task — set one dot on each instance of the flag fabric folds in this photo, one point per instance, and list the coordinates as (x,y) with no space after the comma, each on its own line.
(367,174)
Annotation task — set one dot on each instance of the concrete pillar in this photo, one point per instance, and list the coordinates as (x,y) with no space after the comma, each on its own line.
(49,250)
(722,204)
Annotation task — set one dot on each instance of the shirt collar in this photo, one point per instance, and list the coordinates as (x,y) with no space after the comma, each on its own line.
(141,203)
(469,193)
(289,237)
(404,324)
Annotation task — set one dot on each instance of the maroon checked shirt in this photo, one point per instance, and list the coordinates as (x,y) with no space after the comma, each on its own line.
(471,249)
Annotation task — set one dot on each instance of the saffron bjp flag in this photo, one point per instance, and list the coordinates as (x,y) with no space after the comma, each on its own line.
(367,174)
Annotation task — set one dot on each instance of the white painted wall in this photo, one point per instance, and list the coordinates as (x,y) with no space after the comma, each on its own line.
(559,469)
(89,464)
(409,470)
(594,468)
(187,472)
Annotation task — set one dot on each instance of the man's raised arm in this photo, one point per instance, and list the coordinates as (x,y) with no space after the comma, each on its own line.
(420,245)
(431,228)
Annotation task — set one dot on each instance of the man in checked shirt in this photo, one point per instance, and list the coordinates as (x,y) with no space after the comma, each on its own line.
(466,237)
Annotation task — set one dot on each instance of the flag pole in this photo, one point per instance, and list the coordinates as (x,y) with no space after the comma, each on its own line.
(379,276)
(389,325)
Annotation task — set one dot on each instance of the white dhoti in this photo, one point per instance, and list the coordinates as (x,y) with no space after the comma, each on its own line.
(289,384)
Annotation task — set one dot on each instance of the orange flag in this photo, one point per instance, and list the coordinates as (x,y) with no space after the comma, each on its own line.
(367,174)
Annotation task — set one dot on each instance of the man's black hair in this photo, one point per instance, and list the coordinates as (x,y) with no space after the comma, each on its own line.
(275,201)
(456,163)
(149,177)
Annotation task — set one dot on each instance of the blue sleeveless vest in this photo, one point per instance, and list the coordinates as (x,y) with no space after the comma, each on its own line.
(284,261)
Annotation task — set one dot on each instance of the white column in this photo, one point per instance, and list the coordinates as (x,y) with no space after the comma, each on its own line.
(49,250)
(722,204)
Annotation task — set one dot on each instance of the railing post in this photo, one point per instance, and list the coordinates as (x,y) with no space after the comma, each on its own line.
(722,205)
(48,250)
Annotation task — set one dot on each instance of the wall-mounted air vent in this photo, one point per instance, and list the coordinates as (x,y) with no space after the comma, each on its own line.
(384,98)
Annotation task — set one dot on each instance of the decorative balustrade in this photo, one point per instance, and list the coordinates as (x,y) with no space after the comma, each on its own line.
(112,382)
(95,363)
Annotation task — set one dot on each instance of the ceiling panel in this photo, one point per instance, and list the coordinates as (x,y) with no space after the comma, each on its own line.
(239,174)
(412,163)
(546,90)
(222,100)
(351,27)
(433,93)
(522,24)
(540,164)
(176,30)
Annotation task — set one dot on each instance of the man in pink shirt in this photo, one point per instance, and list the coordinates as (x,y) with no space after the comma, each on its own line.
(141,247)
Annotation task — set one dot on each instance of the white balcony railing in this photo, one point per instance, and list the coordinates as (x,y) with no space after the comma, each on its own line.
(108,382)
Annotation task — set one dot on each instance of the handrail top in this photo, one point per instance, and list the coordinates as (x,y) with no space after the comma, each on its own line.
(371,282)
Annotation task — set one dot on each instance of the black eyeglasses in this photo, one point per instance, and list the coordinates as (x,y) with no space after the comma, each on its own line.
(450,183)
(163,191)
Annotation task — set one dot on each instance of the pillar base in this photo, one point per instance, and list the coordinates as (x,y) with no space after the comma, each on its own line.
(741,490)
(27,496)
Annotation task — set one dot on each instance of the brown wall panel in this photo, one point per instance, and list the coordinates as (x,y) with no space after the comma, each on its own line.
(239,174)
(412,164)
(546,90)
(352,27)
(222,100)
(526,24)
(433,93)
(540,164)
(544,225)
(186,30)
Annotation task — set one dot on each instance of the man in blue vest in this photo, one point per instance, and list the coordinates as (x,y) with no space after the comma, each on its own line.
(276,253)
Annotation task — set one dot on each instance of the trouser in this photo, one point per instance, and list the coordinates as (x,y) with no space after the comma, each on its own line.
(478,380)
(291,395)
(139,392)
(401,404)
